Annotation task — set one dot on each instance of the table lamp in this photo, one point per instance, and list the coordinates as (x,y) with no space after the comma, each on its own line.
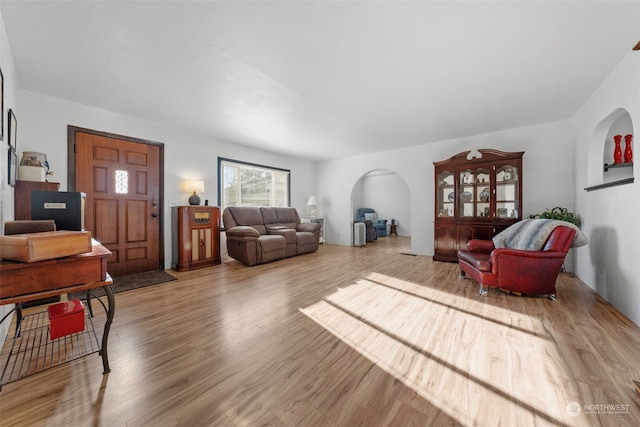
(312,203)
(193,186)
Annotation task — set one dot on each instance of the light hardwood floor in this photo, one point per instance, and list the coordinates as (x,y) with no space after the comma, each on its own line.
(345,337)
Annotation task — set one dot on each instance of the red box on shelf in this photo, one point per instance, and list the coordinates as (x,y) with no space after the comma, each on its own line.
(66,318)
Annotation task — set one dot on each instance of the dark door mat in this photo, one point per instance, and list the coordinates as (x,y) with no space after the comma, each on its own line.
(132,281)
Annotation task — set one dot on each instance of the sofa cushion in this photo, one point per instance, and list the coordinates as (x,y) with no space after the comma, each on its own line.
(289,234)
(243,231)
(479,260)
(268,215)
(248,215)
(311,227)
(477,245)
(272,247)
(287,216)
(307,242)
(373,217)
(306,238)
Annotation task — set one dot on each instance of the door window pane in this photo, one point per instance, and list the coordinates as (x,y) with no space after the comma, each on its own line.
(122,182)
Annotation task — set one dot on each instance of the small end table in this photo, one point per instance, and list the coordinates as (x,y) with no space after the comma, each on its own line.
(393,229)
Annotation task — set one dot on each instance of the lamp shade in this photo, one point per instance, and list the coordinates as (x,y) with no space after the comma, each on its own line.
(312,201)
(192,186)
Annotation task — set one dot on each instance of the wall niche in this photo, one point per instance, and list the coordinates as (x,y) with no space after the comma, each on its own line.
(609,173)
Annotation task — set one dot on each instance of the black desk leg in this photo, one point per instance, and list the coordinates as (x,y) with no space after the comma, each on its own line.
(18,319)
(88,300)
(108,290)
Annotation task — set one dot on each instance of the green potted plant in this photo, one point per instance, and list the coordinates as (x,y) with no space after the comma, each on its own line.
(561,214)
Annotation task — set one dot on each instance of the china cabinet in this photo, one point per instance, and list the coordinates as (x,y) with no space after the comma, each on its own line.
(475,198)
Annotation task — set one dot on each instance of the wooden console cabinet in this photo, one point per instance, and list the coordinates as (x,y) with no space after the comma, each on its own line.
(475,198)
(196,237)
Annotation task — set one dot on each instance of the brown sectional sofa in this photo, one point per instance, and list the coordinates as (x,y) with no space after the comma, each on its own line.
(258,235)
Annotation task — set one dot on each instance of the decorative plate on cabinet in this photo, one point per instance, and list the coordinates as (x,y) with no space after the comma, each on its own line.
(484,195)
(465,196)
(451,197)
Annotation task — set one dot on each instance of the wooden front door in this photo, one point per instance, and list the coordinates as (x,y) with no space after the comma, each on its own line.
(121,179)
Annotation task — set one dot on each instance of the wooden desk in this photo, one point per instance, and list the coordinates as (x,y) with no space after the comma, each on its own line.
(21,282)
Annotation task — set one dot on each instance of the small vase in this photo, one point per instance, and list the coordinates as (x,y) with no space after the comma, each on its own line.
(628,154)
(617,151)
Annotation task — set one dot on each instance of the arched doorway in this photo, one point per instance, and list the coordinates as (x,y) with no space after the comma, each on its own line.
(386,192)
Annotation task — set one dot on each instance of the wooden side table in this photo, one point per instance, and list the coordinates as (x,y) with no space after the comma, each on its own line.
(31,349)
(393,229)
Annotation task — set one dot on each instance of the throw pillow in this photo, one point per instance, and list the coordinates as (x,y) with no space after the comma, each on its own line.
(372,217)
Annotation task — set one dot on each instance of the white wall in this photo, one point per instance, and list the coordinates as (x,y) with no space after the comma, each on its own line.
(10,101)
(43,124)
(547,177)
(611,215)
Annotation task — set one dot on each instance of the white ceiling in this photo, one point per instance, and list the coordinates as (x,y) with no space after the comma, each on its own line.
(323,79)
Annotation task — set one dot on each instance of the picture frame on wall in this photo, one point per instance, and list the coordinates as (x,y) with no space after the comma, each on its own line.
(1,105)
(13,129)
(12,167)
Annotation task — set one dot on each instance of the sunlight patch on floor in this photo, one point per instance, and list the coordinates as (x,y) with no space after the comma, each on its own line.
(419,336)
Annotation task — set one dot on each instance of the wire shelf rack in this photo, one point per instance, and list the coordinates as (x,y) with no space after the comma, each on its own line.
(33,351)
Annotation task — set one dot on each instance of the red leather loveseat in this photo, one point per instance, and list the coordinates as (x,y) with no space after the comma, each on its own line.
(532,272)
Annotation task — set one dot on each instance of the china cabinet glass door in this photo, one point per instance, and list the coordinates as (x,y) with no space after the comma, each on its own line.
(475,193)
(507,191)
(446,194)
